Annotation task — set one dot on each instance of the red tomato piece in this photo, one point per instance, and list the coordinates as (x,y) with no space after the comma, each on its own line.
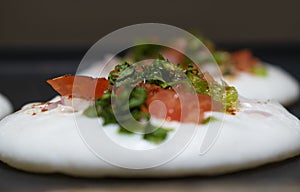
(186,107)
(244,60)
(173,56)
(79,86)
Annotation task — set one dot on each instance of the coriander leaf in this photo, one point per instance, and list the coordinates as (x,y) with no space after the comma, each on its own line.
(227,95)
(209,119)
(115,74)
(231,96)
(221,56)
(90,112)
(104,109)
(200,85)
(157,136)
(160,57)
(144,51)
(124,131)
(260,70)
(137,97)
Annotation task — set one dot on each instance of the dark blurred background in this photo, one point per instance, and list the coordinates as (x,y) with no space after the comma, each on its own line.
(43,39)
(68,23)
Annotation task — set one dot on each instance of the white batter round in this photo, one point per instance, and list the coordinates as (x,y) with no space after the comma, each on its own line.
(5,106)
(49,142)
(278,85)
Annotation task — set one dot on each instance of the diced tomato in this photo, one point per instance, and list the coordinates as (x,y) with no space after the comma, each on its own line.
(173,56)
(151,89)
(166,104)
(79,86)
(244,60)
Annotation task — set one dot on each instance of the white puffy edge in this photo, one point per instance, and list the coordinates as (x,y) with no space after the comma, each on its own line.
(5,106)
(49,142)
(277,85)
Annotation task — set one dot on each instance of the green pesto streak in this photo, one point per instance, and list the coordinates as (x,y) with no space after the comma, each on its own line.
(161,73)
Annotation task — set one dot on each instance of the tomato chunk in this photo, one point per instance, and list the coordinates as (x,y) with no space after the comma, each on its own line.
(186,107)
(244,60)
(173,56)
(79,86)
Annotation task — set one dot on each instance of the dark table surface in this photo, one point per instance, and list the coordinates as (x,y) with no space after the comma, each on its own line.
(22,80)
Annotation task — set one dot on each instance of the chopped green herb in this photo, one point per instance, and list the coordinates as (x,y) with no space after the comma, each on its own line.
(104,109)
(200,85)
(145,51)
(161,72)
(230,97)
(227,95)
(209,119)
(260,70)
(90,112)
(157,136)
(124,131)
(221,56)
(137,98)
(114,74)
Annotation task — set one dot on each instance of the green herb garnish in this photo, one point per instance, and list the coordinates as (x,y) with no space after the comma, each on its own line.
(157,136)
(209,119)
(196,78)
(227,95)
(260,70)
(137,98)
(221,57)
(124,101)
(140,52)
(161,72)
